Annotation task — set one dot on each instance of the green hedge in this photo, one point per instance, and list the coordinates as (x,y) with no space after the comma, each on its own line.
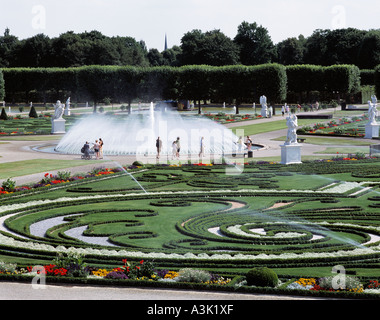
(344,79)
(236,83)
(95,83)
(367,77)
(2,86)
(377,80)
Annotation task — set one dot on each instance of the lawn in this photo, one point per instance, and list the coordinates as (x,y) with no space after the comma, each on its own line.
(264,127)
(331,140)
(26,167)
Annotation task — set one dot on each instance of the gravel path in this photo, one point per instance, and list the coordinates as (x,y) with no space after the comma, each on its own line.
(25,291)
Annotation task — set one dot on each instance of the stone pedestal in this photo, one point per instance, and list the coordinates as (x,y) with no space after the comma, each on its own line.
(264,112)
(58,126)
(290,153)
(67,112)
(371,130)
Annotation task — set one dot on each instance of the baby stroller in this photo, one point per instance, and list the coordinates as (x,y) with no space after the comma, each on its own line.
(87,153)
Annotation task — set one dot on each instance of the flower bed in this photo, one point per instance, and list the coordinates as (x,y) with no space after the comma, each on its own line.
(71,265)
(222,117)
(9,187)
(346,127)
(183,216)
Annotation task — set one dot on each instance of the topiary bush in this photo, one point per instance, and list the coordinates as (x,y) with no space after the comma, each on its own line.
(262,277)
(137,164)
(33,113)
(3,115)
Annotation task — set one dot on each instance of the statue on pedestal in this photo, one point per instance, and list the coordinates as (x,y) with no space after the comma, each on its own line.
(58,110)
(57,121)
(292,123)
(372,112)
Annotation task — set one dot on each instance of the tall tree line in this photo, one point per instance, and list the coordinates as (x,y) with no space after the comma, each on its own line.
(252,45)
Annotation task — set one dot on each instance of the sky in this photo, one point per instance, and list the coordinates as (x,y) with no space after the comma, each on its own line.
(150,20)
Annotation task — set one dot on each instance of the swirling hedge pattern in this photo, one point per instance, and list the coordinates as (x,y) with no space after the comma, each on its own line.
(202,214)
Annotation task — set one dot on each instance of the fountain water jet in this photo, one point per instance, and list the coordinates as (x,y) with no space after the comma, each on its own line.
(136,134)
(133,178)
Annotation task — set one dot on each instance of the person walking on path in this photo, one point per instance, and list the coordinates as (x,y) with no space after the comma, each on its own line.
(178,143)
(202,148)
(174,150)
(96,149)
(86,150)
(159,147)
(101,143)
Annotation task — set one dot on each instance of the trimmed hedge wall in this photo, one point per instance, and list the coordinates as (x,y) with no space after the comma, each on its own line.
(377,80)
(2,86)
(95,83)
(344,79)
(198,82)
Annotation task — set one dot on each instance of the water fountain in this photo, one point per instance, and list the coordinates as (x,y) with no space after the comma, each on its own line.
(135,134)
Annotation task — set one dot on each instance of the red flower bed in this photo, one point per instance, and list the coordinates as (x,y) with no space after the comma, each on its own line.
(51,270)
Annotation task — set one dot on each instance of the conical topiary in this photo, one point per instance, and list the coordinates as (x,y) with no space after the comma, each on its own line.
(33,113)
(3,115)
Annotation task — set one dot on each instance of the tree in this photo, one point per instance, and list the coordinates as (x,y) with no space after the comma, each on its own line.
(343,46)
(218,49)
(316,48)
(369,52)
(69,50)
(255,43)
(155,58)
(290,51)
(8,43)
(33,52)
(171,55)
(131,52)
(211,48)
(330,47)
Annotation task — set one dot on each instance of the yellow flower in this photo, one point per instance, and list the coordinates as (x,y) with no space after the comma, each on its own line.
(171,275)
(101,273)
(306,282)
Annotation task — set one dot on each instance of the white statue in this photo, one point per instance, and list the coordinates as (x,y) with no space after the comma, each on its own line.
(372,112)
(58,110)
(292,123)
(263,100)
(264,107)
(374,99)
(68,103)
(67,108)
